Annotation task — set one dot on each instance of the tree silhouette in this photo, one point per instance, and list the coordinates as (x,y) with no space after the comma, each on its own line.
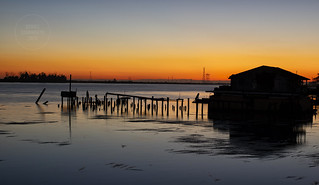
(33,77)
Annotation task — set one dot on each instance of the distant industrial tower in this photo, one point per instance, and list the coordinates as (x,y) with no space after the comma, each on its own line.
(205,75)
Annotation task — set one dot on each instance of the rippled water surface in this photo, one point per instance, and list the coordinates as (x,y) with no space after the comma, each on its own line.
(44,144)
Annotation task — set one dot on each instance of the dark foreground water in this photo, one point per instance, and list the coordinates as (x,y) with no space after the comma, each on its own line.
(46,145)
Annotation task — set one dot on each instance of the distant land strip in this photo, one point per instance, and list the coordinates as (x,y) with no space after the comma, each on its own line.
(123,82)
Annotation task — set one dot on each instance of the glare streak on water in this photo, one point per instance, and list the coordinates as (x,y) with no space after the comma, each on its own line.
(46,145)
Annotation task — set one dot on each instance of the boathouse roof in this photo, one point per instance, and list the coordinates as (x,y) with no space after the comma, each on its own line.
(268,69)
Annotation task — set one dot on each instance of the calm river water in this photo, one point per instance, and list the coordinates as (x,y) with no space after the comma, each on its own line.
(44,144)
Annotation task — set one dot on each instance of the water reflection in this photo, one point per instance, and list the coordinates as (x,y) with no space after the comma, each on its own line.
(256,136)
(69,114)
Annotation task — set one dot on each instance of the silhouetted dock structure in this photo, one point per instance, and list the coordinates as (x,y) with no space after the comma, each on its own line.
(265,90)
(70,95)
(120,103)
(202,101)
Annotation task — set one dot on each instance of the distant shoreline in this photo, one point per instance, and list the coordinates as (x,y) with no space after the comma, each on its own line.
(123,82)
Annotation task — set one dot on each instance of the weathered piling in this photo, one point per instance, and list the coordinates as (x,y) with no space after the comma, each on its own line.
(202,110)
(111,105)
(77,101)
(121,103)
(167,106)
(36,102)
(196,109)
(177,107)
(87,97)
(152,105)
(145,106)
(117,103)
(127,107)
(188,107)
(156,107)
(133,104)
(162,107)
(105,102)
(182,107)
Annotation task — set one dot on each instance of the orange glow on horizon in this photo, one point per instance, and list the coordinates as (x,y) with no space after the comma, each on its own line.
(183,66)
(159,40)
(157,62)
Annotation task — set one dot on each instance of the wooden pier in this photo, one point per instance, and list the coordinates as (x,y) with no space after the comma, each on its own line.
(139,104)
(120,103)
(142,103)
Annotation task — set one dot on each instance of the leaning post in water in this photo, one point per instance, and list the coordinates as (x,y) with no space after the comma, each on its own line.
(36,102)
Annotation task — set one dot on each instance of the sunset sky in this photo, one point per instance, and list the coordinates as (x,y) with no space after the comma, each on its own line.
(152,39)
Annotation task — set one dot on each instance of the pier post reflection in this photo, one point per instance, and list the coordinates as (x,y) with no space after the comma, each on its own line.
(68,114)
(70,126)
